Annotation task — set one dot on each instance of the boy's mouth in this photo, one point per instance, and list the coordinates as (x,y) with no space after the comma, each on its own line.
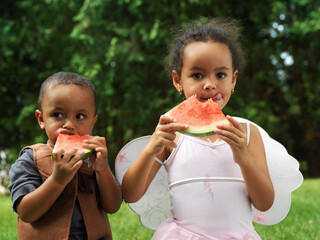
(66,132)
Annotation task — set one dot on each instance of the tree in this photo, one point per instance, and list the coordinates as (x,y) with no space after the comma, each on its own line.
(120,45)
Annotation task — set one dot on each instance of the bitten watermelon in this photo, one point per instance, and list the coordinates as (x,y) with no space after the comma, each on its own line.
(68,141)
(202,117)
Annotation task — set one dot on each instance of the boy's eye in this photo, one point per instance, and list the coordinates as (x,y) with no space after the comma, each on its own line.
(57,115)
(197,76)
(220,75)
(80,116)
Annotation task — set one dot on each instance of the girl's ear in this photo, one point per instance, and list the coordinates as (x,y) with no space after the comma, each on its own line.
(176,80)
(95,119)
(234,78)
(40,119)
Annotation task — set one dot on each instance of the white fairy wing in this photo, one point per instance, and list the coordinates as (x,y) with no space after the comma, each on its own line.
(285,177)
(154,207)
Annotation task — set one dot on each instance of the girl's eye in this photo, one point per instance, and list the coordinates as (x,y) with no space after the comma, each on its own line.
(80,116)
(220,75)
(57,115)
(197,76)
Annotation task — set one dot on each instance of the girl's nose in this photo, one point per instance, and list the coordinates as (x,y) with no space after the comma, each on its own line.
(209,84)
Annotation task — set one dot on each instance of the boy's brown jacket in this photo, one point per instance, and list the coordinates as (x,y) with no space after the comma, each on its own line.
(55,223)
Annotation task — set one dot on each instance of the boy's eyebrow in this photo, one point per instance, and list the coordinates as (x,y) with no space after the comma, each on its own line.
(82,110)
(57,108)
(195,68)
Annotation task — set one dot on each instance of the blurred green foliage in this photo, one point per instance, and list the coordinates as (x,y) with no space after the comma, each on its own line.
(120,45)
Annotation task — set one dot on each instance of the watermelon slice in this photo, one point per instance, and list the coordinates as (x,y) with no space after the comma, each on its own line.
(202,117)
(68,141)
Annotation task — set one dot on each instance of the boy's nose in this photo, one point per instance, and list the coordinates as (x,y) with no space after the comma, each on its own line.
(69,124)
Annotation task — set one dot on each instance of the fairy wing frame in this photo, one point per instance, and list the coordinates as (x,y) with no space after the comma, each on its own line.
(285,176)
(154,207)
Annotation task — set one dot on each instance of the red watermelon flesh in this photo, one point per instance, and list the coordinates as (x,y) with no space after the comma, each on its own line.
(70,141)
(201,117)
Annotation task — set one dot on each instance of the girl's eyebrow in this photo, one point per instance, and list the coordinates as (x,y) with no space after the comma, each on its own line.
(195,68)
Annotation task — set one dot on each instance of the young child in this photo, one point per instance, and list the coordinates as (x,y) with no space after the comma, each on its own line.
(214,180)
(64,198)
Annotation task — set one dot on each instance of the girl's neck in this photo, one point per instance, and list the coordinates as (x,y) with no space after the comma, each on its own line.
(212,138)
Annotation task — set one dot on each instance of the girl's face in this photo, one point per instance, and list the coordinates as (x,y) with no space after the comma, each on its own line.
(206,71)
(67,108)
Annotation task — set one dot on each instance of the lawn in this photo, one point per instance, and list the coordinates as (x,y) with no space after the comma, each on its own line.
(302,222)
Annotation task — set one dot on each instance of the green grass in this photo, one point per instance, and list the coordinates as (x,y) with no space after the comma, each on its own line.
(8,219)
(302,222)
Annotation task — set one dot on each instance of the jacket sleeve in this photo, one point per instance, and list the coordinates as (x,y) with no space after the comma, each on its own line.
(24,177)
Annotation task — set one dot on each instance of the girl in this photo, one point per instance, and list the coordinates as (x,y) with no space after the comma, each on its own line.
(213,180)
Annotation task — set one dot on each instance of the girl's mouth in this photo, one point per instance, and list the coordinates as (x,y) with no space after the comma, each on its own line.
(217,97)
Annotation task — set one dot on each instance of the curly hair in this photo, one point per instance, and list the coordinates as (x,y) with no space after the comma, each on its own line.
(226,31)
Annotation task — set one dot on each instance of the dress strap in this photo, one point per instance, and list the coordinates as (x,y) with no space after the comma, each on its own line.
(159,161)
(248,133)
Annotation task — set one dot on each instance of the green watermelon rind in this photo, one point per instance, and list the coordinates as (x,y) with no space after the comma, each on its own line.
(202,117)
(203,131)
(207,134)
(87,153)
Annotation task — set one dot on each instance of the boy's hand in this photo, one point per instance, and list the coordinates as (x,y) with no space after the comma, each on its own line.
(164,135)
(66,166)
(98,144)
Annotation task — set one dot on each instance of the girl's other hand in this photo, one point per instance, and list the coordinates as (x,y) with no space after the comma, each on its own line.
(164,135)
(235,135)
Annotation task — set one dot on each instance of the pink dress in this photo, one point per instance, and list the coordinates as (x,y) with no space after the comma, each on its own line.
(199,192)
(208,195)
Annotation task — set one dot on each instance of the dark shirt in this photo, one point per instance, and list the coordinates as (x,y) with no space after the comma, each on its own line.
(25,178)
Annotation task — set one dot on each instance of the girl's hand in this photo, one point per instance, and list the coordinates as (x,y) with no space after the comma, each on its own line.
(236,136)
(98,144)
(66,166)
(164,135)
(251,160)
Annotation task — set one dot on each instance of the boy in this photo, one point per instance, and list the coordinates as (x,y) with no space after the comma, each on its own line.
(64,198)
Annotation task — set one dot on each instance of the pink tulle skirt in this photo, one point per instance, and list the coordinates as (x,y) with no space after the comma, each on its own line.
(171,230)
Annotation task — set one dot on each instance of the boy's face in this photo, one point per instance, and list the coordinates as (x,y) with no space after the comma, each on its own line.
(67,108)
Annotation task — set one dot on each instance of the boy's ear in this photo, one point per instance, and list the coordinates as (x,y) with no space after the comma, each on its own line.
(94,122)
(39,117)
(176,80)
